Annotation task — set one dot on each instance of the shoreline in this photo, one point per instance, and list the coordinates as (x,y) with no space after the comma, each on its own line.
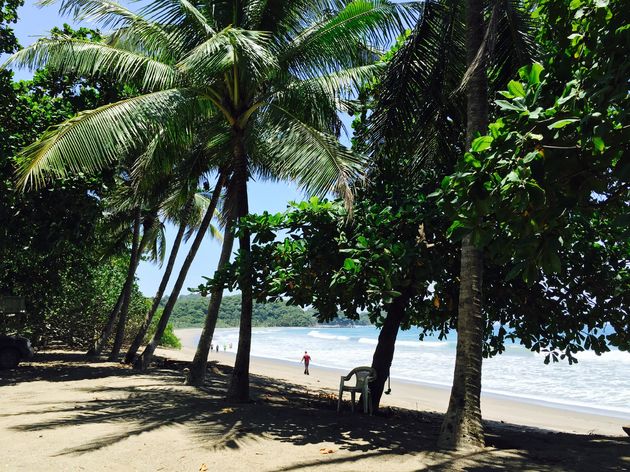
(419,396)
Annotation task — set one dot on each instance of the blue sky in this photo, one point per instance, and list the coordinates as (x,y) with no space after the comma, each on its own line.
(35,22)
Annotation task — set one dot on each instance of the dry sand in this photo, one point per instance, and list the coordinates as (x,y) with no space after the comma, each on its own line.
(60,413)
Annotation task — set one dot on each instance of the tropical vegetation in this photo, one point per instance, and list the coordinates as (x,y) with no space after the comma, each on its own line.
(485,191)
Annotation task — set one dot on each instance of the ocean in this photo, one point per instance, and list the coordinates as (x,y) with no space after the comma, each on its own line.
(594,384)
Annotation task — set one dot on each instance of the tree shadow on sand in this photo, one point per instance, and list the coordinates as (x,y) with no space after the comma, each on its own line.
(290,413)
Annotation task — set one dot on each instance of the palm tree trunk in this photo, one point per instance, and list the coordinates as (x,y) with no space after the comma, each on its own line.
(99,344)
(462,427)
(135,345)
(238,390)
(124,309)
(145,358)
(384,352)
(197,373)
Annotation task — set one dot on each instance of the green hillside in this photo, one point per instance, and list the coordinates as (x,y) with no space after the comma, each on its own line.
(190,311)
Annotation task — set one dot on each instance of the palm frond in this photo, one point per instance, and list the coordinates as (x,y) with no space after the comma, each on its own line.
(154,40)
(68,55)
(415,97)
(179,12)
(356,30)
(291,149)
(95,138)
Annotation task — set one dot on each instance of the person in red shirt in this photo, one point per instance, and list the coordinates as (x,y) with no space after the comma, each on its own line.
(306,359)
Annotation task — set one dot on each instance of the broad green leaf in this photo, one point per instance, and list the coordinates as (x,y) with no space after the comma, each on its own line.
(505,105)
(516,89)
(598,144)
(481,143)
(562,123)
(349,264)
(529,157)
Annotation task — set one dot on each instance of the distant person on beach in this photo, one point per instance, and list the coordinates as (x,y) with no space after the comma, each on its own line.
(306,359)
(217,348)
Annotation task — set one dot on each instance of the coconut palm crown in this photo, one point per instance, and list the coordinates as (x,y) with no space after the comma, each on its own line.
(264,77)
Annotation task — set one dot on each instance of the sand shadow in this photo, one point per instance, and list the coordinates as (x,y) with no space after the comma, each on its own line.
(292,414)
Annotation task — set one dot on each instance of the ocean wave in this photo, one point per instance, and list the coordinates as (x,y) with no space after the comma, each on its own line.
(433,343)
(612,356)
(407,343)
(317,334)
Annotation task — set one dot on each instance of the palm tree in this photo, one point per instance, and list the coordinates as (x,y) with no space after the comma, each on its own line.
(125,213)
(189,217)
(436,94)
(267,78)
(182,204)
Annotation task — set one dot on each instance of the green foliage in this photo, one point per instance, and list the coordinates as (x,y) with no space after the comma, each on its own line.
(51,248)
(169,339)
(8,15)
(547,193)
(190,311)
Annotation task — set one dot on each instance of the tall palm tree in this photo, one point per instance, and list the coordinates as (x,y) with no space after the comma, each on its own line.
(267,77)
(189,217)
(436,93)
(124,215)
(184,205)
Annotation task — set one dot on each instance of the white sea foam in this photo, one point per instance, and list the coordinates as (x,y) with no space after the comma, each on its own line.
(320,335)
(368,341)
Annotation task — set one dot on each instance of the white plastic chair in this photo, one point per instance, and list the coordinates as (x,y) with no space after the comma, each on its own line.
(364,376)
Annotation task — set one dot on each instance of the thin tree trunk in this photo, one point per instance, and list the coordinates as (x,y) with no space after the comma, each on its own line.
(197,372)
(145,358)
(462,427)
(99,344)
(135,345)
(238,390)
(124,309)
(384,352)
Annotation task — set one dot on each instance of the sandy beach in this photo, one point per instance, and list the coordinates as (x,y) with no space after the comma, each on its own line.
(418,397)
(62,413)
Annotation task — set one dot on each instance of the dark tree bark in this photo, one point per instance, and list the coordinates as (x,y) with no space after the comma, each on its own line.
(238,390)
(100,343)
(197,373)
(143,361)
(462,427)
(384,352)
(135,345)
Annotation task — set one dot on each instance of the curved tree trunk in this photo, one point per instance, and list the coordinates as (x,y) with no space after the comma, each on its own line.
(238,390)
(135,345)
(99,344)
(197,373)
(143,361)
(384,352)
(462,427)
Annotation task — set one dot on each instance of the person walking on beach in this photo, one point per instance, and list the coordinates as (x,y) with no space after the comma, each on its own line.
(306,359)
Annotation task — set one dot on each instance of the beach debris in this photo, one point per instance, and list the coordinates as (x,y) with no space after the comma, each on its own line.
(227,410)
(203,468)
(325,450)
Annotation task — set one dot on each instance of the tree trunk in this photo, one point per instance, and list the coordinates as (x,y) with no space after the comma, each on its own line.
(145,358)
(197,372)
(384,352)
(99,344)
(238,390)
(135,345)
(462,427)
(124,309)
